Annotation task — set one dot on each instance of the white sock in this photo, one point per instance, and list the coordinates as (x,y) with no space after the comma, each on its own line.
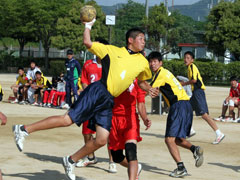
(218,132)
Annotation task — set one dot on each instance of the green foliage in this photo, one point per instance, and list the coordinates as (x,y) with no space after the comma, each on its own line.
(223,29)
(57,67)
(233,69)
(128,16)
(177,67)
(70,29)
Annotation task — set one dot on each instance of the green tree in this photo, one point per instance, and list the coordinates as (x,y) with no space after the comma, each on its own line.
(46,14)
(70,29)
(223,29)
(157,25)
(128,16)
(16,21)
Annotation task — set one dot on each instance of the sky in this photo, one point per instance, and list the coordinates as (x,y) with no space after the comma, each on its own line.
(151,2)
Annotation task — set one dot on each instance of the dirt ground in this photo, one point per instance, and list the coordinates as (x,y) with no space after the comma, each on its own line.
(41,157)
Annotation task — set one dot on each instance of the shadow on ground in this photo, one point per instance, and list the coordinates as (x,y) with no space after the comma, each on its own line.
(234,168)
(45,174)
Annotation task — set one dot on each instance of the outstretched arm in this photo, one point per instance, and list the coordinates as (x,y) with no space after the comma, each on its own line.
(87,33)
(3,118)
(153,92)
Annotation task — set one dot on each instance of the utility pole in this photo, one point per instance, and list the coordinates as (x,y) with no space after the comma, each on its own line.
(146,13)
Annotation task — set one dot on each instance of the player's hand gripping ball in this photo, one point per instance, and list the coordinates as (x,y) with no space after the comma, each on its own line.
(87,13)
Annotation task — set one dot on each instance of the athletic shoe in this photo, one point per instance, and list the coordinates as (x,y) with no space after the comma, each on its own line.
(219,138)
(85,162)
(139,171)
(69,168)
(66,106)
(112,167)
(236,120)
(19,136)
(35,104)
(49,105)
(198,156)
(178,173)
(228,119)
(192,133)
(15,101)
(22,102)
(220,118)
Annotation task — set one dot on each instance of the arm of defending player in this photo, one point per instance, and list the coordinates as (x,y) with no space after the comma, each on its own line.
(153,92)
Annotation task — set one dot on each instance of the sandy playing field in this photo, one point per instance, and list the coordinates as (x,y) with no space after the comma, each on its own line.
(41,157)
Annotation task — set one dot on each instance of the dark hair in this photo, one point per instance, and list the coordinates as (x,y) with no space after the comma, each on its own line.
(133,33)
(101,40)
(20,68)
(233,78)
(38,72)
(32,61)
(189,53)
(70,52)
(155,55)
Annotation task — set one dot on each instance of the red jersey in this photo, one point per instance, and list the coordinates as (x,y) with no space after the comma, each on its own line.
(126,102)
(235,92)
(91,71)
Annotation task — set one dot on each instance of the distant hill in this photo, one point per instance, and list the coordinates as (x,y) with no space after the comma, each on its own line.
(198,11)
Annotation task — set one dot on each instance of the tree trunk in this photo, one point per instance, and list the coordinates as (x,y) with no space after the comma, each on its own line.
(22,43)
(46,59)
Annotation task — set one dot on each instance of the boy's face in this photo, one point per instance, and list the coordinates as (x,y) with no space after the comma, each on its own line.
(32,65)
(138,43)
(155,64)
(188,59)
(38,76)
(233,84)
(69,56)
(20,72)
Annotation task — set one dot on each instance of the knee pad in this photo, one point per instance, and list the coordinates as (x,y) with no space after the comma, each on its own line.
(117,156)
(131,151)
(231,102)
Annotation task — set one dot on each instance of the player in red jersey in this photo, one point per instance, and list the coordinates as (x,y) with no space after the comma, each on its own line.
(125,132)
(233,100)
(92,72)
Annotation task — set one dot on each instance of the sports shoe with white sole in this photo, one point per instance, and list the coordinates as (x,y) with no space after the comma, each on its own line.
(19,136)
(15,101)
(112,167)
(220,118)
(178,173)
(69,168)
(66,106)
(85,162)
(198,156)
(139,171)
(228,119)
(219,138)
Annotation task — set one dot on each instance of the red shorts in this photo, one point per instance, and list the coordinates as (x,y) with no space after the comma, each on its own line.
(85,129)
(124,128)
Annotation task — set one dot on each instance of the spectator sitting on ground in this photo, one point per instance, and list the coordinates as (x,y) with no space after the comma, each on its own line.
(42,84)
(60,95)
(1,93)
(19,87)
(50,94)
(231,101)
(31,77)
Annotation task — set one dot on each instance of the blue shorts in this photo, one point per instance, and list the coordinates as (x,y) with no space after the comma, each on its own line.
(95,104)
(179,121)
(198,102)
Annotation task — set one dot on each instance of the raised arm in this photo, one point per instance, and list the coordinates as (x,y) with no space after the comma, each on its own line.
(87,33)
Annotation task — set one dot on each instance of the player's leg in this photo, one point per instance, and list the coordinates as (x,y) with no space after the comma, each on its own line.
(75,89)
(112,166)
(45,98)
(68,93)
(21,131)
(131,156)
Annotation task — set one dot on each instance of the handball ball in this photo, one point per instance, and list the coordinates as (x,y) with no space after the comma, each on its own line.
(87,13)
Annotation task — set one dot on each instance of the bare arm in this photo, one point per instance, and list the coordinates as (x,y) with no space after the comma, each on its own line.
(3,118)
(87,33)
(143,113)
(84,85)
(153,92)
(193,81)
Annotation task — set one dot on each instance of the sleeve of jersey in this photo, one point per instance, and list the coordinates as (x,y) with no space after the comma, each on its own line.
(159,81)
(84,76)
(231,93)
(146,74)
(17,82)
(99,49)
(194,72)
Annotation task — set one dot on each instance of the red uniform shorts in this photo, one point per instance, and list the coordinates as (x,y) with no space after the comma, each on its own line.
(85,129)
(124,128)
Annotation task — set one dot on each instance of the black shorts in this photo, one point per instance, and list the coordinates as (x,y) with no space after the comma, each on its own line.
(199,102)
(19,90)
(95,104)
(38,91)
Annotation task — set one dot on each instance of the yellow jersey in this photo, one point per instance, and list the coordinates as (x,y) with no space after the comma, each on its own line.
(1,91)
(21,80)
(120,67)
(44,81)
(193,73)
(169,86)
(79,84)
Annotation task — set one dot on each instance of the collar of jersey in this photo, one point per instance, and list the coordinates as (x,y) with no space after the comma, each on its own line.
(156,75)
(132,52)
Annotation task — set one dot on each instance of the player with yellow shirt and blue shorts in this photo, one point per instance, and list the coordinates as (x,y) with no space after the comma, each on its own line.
(120,67)
(198,99)
(179,120)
